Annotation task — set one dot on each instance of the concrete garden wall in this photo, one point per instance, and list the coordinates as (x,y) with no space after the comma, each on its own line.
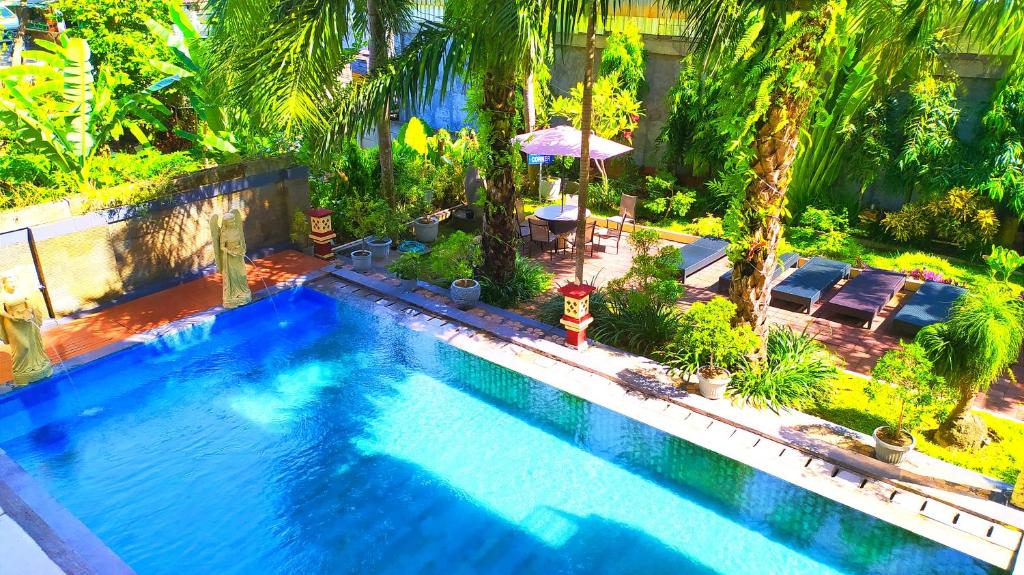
(97,257)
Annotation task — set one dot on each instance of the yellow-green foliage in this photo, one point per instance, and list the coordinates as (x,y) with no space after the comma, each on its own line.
(1001,458)
(961,216)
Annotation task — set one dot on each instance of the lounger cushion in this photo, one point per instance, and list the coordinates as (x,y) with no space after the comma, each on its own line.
(700,254)
(865,295)
(807,284)
(929,304)
(786,261)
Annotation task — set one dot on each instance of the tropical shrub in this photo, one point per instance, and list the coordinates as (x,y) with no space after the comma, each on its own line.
(61,111)
(1002,148)
(825,233)
(962,217)
(979,342)
(640,306)
(909,374)
(707,225)
(616,109)
(797,373)
(928,157)
(706,338)
(529,279)
(120,40)
(925,266)
(455,257)
(665,199)
(623,54)
(408,266)
(690,134)
(1002,262)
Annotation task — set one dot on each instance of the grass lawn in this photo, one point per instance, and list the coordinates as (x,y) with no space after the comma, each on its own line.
(1002,458)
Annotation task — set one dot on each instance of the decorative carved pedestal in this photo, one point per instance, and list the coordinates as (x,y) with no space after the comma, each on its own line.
(321,232)
(576,314)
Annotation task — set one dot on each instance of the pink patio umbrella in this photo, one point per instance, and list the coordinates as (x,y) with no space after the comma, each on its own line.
(565,141)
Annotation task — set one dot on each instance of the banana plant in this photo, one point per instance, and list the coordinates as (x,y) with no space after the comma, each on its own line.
(190,72)
(61,109)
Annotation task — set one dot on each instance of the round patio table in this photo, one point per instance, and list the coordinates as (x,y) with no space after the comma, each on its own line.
(561,219)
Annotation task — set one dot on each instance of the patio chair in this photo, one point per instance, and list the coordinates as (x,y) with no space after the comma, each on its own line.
(541,236)
(588,238)
(807,284)
(700,254)
(521,219)
(786,261)
(627,214)
(929,304)
(865,295)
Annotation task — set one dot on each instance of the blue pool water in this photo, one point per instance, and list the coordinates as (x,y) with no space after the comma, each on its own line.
(323,439)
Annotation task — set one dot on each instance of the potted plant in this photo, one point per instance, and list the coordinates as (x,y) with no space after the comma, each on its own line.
(707,345)
(452,262)
(362,260)
(904,375)
(425,228)
(407,268)
(379,246)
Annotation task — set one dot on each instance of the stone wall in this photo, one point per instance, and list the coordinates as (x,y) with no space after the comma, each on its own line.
(93,258)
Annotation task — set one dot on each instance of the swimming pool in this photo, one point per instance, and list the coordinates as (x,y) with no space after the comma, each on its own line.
(318,438)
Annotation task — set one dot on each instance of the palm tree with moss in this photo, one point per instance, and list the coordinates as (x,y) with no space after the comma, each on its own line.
(778,56)
(979,343)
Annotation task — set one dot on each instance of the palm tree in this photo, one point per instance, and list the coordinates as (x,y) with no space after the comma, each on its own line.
(980,341)
(283,60)
(568,14)
(491,44)
(787,50)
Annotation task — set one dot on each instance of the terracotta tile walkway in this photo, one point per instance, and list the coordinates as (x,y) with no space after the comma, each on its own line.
(860,348)
(119,322)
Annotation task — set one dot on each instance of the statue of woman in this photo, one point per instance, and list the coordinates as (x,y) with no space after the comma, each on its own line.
(229,253)
(20,318)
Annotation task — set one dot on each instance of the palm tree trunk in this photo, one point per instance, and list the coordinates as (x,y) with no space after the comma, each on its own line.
(378,48)
(760,216)
(761,212)
(501,232)
(586,120)
(961,428)
(530,115)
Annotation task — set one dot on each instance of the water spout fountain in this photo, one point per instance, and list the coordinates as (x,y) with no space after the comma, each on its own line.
(20,319)
(229,253)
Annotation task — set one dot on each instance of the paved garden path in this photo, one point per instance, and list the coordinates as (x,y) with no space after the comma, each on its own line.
(860,348)
(92,331)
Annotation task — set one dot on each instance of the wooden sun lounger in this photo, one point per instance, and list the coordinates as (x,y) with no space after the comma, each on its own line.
(809,283)
(929,304)
(700,254)
(865,295)
(786,261)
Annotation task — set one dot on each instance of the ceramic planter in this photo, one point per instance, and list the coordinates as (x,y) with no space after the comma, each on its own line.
(408,284)
(465,293)
(550,189)
(888,452)
(713,387)
(362,260)
(379,247)
(426,229)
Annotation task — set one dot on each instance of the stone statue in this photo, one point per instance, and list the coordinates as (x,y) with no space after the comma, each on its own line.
(229,253)
(20,318)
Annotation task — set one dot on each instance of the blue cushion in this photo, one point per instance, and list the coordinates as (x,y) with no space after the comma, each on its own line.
(807,284)
(930,304)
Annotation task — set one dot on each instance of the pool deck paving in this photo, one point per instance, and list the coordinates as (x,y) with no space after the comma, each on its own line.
(859,347)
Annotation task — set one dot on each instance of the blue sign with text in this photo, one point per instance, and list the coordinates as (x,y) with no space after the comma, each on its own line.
(539,159)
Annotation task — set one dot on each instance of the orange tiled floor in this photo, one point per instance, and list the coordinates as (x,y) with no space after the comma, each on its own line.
(859,347)
(118,322)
